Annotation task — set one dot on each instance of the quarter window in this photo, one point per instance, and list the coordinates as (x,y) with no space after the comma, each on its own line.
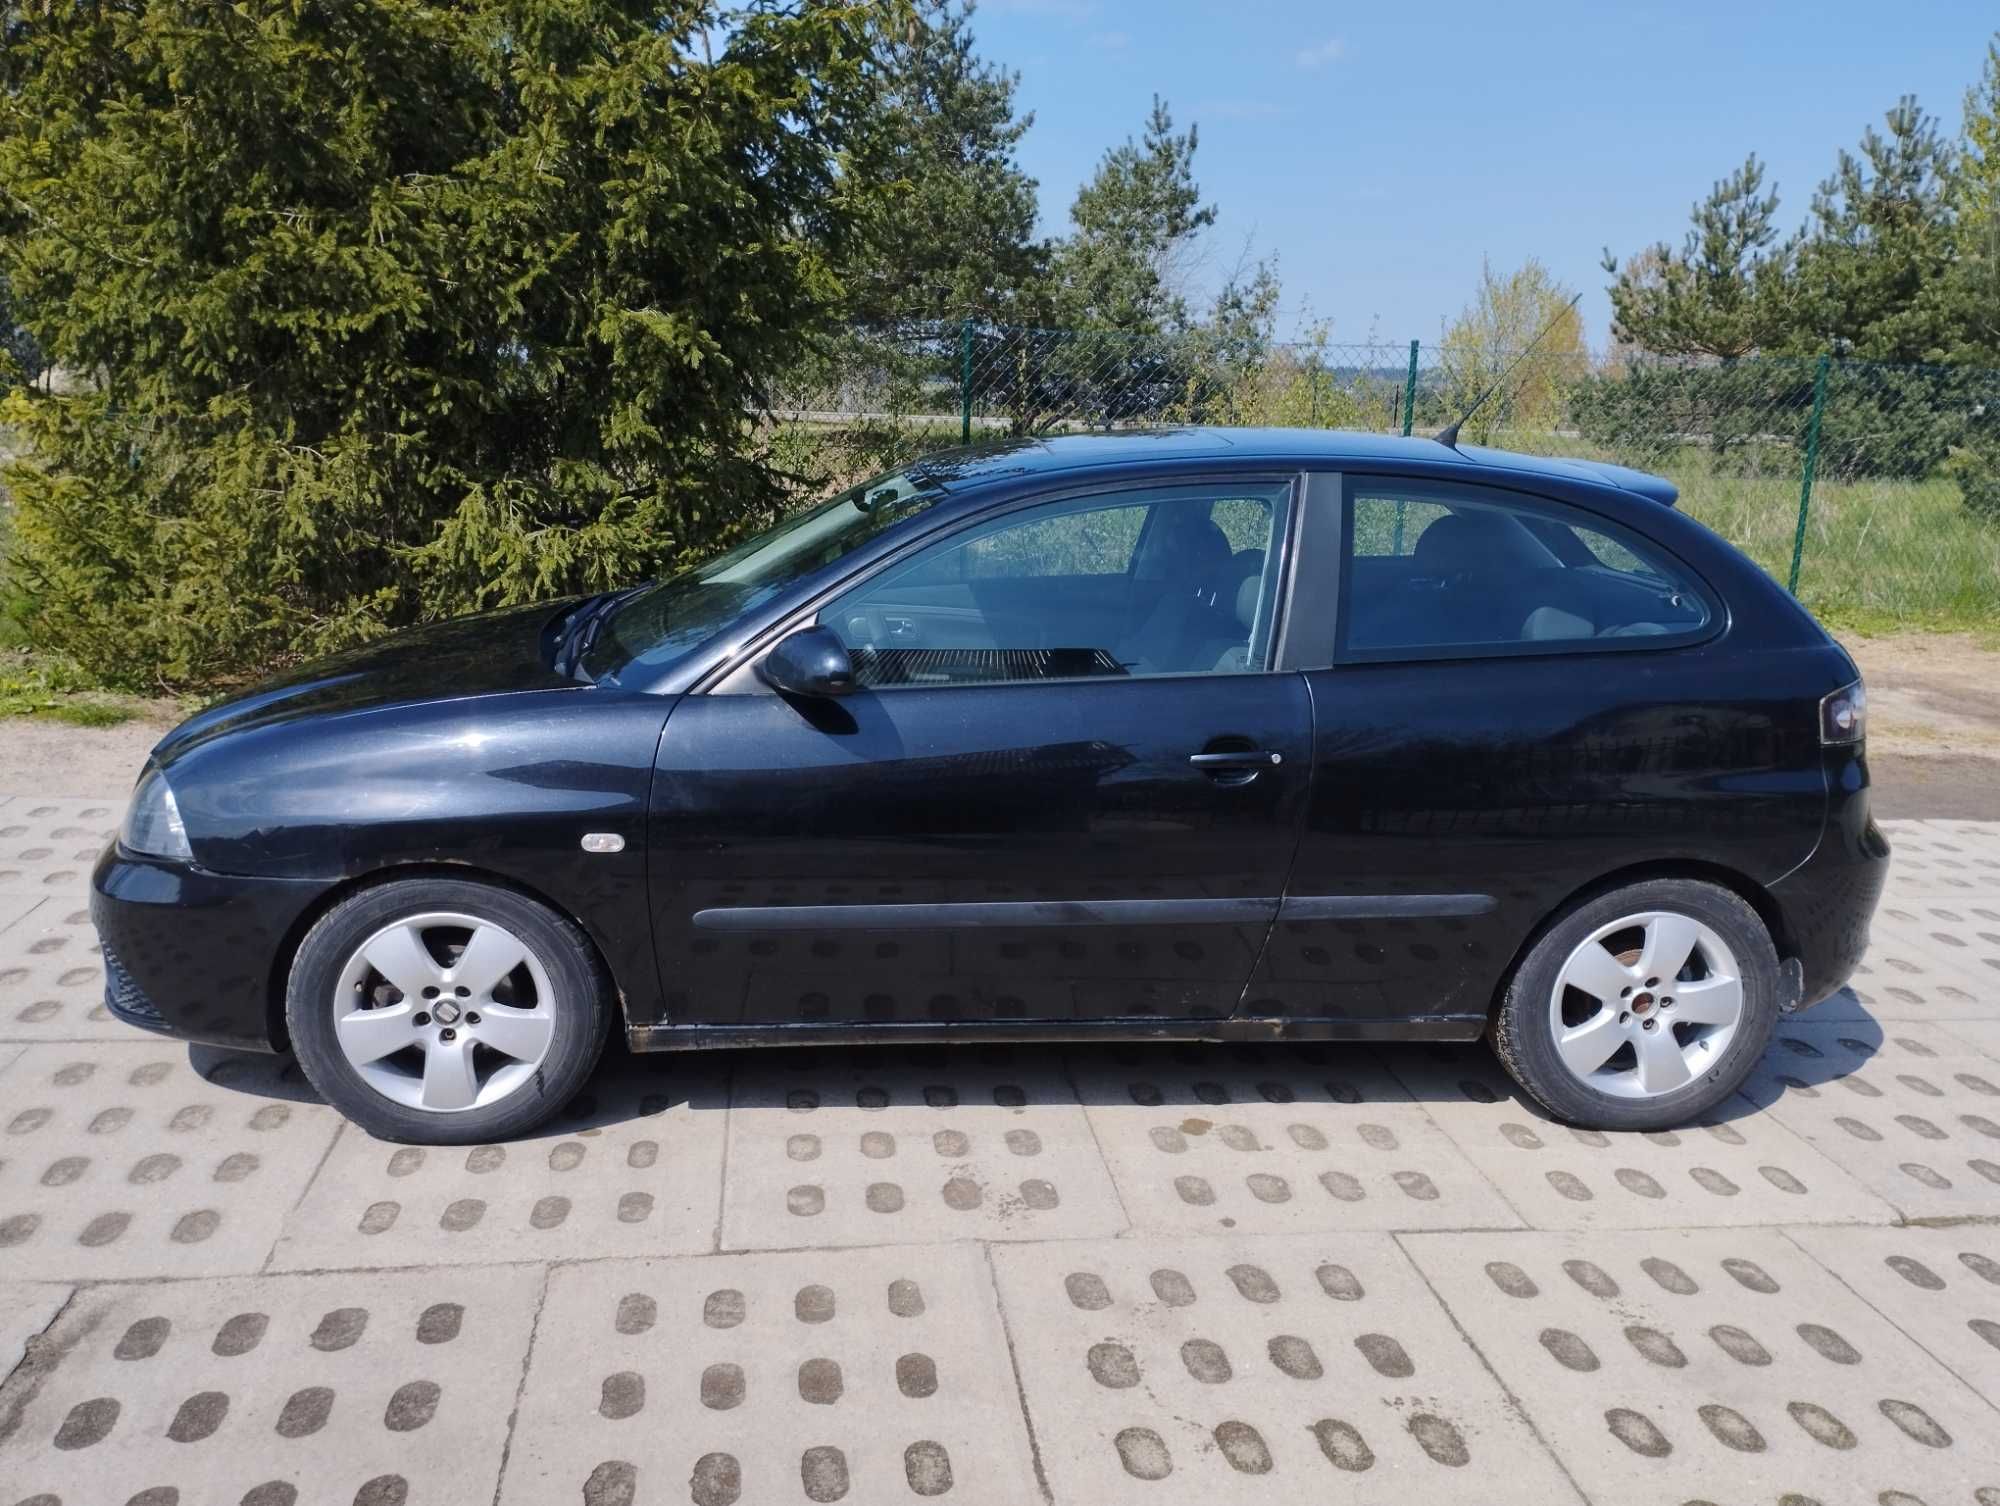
(1160,582)
(1434,570)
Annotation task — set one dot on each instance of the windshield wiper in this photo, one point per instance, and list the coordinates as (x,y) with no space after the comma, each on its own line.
(584,624)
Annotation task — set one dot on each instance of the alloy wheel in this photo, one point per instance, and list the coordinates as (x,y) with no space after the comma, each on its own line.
(1646,1005)
(444,1012)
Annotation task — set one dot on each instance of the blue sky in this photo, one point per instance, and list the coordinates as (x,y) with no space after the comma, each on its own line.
(1381,150)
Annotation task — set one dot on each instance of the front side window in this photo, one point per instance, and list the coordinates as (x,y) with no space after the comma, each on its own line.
(1156,582)
(659,625)
(1433,570)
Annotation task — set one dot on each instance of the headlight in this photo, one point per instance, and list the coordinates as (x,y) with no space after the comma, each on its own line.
(1843,716)
(153,821)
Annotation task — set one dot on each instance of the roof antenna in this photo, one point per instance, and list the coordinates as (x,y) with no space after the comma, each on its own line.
(1448,435)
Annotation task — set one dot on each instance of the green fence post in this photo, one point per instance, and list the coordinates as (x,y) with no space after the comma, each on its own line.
(1811,465)
(1410,393)
(965,382)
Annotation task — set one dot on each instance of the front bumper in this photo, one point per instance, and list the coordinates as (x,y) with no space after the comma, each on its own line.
(194,954)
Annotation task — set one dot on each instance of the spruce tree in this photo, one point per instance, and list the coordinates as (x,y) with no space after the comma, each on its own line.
(383,310)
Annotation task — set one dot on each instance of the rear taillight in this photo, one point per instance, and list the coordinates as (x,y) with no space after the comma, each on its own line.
(1843,716)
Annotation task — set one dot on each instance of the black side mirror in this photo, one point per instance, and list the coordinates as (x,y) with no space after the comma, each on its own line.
(811,662)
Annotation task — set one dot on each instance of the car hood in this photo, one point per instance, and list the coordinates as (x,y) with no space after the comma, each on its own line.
(488,654)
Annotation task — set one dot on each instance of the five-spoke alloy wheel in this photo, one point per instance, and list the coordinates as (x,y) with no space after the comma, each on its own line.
(1642,1007)
(446,1011)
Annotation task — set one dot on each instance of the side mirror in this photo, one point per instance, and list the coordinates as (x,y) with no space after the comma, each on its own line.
(811,662)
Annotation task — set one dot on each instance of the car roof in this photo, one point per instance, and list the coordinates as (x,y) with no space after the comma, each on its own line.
(1333,448)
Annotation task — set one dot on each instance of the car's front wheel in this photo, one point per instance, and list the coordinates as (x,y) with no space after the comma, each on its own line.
(1642,1007)
(446,1012)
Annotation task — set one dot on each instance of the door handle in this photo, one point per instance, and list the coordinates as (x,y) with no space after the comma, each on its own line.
(1250,758)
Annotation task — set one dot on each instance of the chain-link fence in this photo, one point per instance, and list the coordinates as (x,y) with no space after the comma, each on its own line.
(1872,490)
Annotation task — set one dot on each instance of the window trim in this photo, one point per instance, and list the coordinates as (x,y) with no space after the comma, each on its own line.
(736,675)
(1352,484)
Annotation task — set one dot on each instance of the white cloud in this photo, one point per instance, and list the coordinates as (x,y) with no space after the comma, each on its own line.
(1324,53)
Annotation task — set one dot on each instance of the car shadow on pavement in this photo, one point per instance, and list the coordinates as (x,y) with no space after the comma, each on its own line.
(1137,1075)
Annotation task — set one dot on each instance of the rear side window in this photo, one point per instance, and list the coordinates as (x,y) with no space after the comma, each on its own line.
(1434,570)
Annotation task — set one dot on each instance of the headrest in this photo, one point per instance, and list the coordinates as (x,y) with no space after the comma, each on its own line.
(1246,599)
(1452,543)
(1552,623)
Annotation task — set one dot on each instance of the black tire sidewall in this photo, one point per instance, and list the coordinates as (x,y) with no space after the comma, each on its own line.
(582,1018)
(1526,1039)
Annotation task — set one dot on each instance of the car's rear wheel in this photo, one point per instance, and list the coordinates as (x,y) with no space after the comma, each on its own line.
(446,1012)
(1642,1007)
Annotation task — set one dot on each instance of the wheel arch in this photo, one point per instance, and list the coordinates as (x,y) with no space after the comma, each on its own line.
(288,948)
(1745,888)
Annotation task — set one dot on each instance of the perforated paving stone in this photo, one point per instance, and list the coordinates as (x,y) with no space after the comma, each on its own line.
(859,1375)
(50,846)
(1256,1369)
(1939,1286)
(1912,1113)
(52,977)
(1739,1168)
(1275,1139)
(119,1160)
(1720,1366)
(25,1310)
(1904,976)
(369,1387)
(880,1146)
(632,1166)
(1942,858)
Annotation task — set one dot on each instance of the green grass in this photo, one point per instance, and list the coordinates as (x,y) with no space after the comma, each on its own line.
(38,687)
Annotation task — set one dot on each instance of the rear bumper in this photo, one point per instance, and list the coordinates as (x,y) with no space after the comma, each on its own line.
(191,954)
(1829,901)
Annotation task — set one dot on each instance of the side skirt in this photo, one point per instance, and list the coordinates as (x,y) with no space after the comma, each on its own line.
(707,1037)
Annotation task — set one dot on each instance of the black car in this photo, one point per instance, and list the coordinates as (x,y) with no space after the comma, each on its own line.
(1216,735)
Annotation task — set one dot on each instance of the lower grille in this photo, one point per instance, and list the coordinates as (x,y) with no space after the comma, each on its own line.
(126,999)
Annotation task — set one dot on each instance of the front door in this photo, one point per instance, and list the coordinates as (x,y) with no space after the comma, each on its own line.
(1066,789)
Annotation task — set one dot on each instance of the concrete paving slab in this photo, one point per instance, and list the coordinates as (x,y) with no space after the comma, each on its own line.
(1912,1114)
(120,1160)
(860,1375)
(1939,1286)
(1738,1168)
(359,1387)
(1942,858)
(16,905)
(52,977)
(1904,976)
(1275,1139)
(900,1147)
(1667,1367)
(26,1308)
(633,1166)
(1984,1037)
(1965,934)
(50,846)
(1256,1369)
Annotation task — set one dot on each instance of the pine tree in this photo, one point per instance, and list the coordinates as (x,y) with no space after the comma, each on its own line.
(1715,296)
(1875,259)
(388,309)
(1975,290)
(1135,220)
(952,234)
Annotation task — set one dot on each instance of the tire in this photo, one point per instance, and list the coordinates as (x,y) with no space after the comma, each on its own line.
(1545,1040)
(423,1063)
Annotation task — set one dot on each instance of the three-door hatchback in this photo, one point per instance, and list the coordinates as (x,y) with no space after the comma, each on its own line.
(1213,734)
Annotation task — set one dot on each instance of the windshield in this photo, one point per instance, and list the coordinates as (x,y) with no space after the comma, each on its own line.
(664,622)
